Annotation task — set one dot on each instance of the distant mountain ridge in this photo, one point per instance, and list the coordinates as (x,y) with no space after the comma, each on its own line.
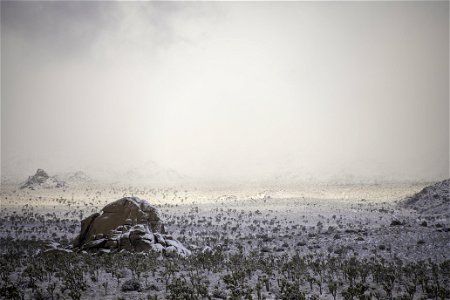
(75,178)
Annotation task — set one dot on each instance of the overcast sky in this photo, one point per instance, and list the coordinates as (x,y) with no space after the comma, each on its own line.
(228,90)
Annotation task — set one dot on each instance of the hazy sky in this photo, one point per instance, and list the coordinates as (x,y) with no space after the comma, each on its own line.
(228,90)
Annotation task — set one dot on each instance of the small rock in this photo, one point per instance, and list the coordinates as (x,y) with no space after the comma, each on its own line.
(396,223)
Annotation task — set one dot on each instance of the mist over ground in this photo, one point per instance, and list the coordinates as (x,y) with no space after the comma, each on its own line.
(266,91)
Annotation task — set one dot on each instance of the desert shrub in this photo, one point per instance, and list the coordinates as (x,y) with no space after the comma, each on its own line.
(290,290)
(179,290)
(10,291)
(74,282)
(236,282)
(131,285)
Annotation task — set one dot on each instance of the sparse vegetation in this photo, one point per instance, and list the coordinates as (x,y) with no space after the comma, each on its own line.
(255,248)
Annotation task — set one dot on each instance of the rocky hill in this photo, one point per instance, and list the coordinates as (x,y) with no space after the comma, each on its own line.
(432,200)
(42,180)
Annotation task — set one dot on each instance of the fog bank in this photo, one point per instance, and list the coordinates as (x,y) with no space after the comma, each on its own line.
(351,91)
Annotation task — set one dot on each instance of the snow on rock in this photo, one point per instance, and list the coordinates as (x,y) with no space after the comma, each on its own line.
(130,224)
(206,249)
(42,180)
(432,200)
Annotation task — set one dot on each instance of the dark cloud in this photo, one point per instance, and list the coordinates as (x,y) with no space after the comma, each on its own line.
(63,29)
(59,28)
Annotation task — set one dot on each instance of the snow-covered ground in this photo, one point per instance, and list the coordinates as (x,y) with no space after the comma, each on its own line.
(287,240)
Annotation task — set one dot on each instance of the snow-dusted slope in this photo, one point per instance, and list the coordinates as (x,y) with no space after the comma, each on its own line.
(433,200)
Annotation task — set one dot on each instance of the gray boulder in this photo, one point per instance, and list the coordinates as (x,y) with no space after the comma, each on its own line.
(130,224)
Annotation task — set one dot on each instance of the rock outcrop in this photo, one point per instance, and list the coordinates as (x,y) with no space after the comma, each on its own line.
(42,179)
(432,200)
(130,224)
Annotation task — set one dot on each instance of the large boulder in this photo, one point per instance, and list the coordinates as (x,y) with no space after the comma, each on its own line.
(130,224)
(42,179)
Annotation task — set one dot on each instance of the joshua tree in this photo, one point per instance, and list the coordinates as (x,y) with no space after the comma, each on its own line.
(51,289)
(332,287)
